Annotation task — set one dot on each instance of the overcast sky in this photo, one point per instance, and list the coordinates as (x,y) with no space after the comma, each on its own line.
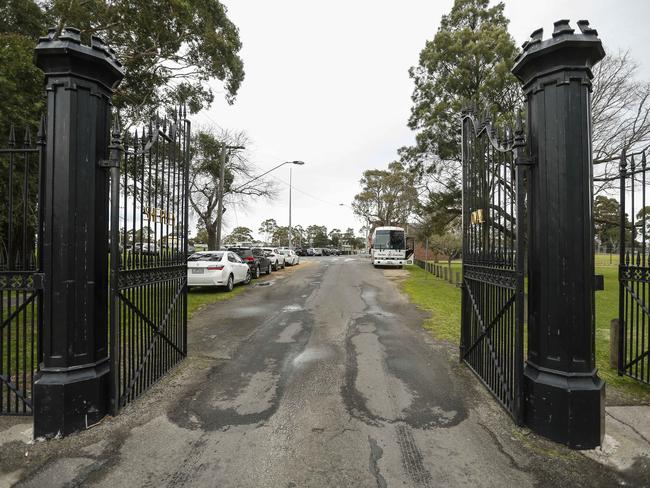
(327,83)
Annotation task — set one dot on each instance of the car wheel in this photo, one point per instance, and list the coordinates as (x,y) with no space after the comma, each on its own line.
(268,269)
(231,283)
(249,277)
(257,272)
(284,264)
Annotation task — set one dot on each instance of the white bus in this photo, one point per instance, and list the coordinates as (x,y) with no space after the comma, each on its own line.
(389,247)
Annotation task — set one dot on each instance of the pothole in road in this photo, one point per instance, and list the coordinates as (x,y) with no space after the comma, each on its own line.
(264,283)
(292,308)
(311,354)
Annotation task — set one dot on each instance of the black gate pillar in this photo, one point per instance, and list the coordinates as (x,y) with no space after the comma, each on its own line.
(71,392)
(564,397)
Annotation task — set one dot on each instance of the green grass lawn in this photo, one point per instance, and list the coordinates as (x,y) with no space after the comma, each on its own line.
(442,300)
(198,298)
(439,298)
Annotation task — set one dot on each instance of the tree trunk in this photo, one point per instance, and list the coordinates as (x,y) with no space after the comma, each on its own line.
(212,237)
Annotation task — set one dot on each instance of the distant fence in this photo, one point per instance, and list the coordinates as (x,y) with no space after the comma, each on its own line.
(440,271)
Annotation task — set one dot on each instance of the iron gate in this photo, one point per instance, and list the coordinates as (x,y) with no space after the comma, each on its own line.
(20,279)
(634,269)
(493,260)
(149,217)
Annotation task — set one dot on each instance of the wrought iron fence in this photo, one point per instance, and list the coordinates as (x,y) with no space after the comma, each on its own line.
(20,280)
(149,217)
(492,299)
(634,268)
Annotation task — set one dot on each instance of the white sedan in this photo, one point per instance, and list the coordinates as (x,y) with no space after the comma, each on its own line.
(277,259)
(290,257)
(217,268)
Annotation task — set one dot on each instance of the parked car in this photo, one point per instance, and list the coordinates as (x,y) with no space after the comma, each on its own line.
(277,259)
(256,263)
(265,261)
(317,251)
(300,251)
(290,257)
(146,248)
(217,268)
(325,252)
(309,251)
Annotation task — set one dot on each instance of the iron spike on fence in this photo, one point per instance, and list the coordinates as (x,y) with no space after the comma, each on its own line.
(12,136)
(27,139)
(40,135)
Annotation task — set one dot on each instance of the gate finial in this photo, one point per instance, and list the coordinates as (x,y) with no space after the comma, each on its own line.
(562,27)
(12,135)
(27,138)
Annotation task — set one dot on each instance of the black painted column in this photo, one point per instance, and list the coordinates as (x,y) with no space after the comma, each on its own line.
(71,392)
(564,397)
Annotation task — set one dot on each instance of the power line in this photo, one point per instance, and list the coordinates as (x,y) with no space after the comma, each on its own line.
(304,192)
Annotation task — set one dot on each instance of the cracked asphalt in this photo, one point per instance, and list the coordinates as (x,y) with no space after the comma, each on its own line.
(319,376)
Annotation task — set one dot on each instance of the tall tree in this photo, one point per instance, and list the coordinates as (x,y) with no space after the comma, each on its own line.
(620,116)
(21,82)
(467,64)
(317,235)
(449,244)
(335,237)
(387,196)
(172,50)
(267,229)
(205,172)
(606,221)
(239,234)
(281,236)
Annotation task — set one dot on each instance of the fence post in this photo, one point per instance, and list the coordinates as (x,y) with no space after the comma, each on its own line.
(564,397)
(71,391)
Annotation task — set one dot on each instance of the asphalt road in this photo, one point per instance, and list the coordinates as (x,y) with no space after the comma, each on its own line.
(319,376)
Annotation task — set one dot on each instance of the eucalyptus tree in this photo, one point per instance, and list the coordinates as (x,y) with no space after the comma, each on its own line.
(205,173)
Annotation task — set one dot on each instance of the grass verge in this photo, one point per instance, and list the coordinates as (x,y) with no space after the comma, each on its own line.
(442,301)
(199,298)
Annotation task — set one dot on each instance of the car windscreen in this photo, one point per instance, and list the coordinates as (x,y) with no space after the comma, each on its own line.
(206,256)
(389,239)
(242,253)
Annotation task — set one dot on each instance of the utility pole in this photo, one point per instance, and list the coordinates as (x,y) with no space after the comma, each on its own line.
(222,175)
(290,176)
(223,157)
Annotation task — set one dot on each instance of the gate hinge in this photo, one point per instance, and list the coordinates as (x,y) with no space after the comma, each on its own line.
(599,282)
(38,281)
(109,163)
(526,160)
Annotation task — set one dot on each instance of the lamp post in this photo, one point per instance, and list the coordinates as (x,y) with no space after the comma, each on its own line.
(299,163)
(244,185)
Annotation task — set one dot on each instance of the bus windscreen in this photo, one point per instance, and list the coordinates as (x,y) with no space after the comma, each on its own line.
(390,239)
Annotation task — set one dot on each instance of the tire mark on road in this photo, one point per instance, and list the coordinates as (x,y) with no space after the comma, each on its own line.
(412,457)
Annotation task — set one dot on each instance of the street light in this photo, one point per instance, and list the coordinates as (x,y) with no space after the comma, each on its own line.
(266,173)
(298,163)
